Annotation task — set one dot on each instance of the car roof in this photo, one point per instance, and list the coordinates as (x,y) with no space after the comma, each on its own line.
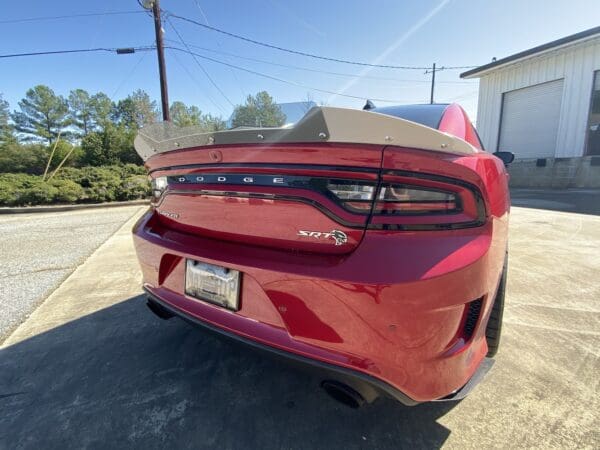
(429,115)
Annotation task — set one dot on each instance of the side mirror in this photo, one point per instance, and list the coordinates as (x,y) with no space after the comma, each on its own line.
(506,157)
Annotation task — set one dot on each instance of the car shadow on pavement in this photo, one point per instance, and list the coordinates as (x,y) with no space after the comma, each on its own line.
(121,377)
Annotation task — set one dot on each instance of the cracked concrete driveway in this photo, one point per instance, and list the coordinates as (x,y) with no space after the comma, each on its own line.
(91,368)
(39,250)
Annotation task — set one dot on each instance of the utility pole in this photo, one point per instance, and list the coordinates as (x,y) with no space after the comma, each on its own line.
(432,83)
(160,50)
(432,72)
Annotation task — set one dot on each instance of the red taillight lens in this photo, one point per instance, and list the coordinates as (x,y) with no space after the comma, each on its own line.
(426,202)
(402,199)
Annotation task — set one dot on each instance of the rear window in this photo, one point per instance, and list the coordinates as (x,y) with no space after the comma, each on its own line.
(428,115)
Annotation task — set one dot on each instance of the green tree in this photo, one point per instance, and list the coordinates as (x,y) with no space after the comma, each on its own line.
(212,123)
(136,110)
(184,116)
(43,114)
(259,111)
(102,108)
(6,129)
(112,145)
(80,111)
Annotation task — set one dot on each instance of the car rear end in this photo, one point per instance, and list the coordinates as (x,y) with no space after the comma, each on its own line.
(374,261)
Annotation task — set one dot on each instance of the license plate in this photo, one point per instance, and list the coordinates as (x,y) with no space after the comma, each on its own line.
(214,284)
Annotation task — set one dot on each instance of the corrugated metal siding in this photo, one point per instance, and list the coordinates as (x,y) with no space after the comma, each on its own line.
(576,64)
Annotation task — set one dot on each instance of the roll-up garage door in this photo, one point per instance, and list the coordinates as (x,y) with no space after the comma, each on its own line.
(529,122)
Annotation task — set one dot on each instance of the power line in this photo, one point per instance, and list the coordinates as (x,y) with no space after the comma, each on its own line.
(310,55)
(326,72)
(83,50)
(282,80)
(197,3)
(70,16)
(129,75)
(213,101)
(200,65)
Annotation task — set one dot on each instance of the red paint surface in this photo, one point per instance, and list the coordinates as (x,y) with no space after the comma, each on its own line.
(388,303)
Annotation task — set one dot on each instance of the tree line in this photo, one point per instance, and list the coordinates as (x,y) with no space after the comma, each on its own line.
(90,129)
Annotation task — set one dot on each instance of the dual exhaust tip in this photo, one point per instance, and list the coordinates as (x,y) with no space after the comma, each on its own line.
(335,389)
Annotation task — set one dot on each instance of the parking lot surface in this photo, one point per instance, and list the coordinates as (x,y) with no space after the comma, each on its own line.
(92,368)
(39,250)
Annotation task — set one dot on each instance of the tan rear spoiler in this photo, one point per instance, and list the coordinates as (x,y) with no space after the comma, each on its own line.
(320,124)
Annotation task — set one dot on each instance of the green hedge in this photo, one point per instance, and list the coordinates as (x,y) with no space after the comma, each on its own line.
(75,185)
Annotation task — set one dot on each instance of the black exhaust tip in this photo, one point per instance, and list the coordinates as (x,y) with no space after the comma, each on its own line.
(159,310)
(343,393)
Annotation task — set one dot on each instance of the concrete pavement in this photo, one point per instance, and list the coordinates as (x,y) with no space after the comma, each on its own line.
(585,201)
(38,251)
(91,368)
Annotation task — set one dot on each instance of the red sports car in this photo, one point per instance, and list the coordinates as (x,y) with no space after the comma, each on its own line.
(370,245)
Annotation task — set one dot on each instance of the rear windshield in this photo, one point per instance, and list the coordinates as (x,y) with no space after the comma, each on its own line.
(428,115)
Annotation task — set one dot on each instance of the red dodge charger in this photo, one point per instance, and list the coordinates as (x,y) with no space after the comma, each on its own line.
(369,245)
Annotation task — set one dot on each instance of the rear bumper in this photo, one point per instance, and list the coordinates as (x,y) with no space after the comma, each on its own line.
(394,326)
(360,381)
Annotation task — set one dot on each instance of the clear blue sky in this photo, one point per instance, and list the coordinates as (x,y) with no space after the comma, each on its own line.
(449,32)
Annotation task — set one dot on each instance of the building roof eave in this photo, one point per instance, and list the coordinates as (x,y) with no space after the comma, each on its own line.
(583,35)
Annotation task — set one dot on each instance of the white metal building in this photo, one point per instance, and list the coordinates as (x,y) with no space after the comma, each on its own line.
(543,102)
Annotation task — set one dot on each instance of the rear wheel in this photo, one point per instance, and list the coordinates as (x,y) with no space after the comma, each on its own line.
(494,326)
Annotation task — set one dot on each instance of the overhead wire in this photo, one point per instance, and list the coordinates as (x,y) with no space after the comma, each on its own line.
(128,76)
(302,53)
(326,72)
(193,78)
(197,3)
(282,80)
(69,16)
(81,50)
(216,86)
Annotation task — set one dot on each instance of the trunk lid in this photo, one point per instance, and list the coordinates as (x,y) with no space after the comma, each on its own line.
(298,197)
(309,187)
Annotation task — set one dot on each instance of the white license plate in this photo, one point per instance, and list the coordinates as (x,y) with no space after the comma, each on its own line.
(214,284)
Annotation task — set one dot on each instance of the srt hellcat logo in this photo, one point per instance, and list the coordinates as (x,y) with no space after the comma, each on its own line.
(338,236)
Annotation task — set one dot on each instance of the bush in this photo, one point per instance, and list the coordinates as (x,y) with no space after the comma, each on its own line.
(72,185)
(68,191)
(36,193)
(9,185)
(32,158)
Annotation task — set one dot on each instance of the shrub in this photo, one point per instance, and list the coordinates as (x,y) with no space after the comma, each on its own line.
(134,186)
(32,158)
(9,185)
(22,189)
(72,185)
(22,158)
(37,193)
(67,191)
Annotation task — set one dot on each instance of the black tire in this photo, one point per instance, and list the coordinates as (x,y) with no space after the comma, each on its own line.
(494,326)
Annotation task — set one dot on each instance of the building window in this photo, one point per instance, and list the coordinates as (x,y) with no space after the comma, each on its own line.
(593,130)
